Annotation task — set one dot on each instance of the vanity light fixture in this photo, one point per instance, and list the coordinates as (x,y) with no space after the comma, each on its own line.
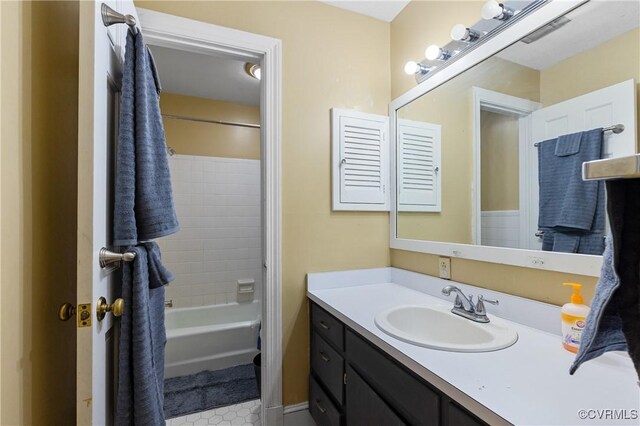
(460,32)
(494,10)
(253,70)
(434,52)
(413,67)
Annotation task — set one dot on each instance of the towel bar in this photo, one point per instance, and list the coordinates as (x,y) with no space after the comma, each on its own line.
(616,129)
(107,257)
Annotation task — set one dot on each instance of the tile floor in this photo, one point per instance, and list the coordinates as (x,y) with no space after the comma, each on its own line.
(245,414)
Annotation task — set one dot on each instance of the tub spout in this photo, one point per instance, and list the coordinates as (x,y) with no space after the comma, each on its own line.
(168,303)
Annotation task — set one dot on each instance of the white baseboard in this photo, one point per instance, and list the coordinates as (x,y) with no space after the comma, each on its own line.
(296,407)
(273,416)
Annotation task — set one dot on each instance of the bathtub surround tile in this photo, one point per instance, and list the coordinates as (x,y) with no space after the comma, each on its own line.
(218,205)
(191,395)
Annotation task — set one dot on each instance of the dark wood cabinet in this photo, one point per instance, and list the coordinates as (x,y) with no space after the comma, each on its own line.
(365,406)
(355,383)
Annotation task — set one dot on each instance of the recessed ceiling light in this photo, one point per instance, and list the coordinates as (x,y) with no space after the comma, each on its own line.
(253,70)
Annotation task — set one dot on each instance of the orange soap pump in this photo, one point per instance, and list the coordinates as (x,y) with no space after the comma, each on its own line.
(574,316)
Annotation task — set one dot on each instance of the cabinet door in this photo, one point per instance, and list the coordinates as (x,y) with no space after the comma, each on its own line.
(364,406)
(458,416)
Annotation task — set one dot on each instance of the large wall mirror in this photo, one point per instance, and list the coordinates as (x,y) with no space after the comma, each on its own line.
(488,151)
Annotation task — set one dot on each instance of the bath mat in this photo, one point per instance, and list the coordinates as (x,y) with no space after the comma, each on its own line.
(209,389)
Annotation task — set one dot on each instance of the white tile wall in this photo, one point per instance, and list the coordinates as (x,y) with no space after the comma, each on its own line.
(219,242)
(501,228)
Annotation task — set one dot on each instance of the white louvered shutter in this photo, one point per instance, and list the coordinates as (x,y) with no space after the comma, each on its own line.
(360,161)
(419,170)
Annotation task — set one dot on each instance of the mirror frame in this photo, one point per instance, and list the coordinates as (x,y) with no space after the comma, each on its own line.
(561,262)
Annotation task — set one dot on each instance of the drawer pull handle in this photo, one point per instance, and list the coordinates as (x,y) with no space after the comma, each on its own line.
(324,357)
(320,407)
(324,325)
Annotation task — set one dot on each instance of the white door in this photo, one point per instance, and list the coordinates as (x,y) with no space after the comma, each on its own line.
(100,65)
(601,108)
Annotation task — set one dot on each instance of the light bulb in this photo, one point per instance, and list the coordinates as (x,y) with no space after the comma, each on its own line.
(253,70)
(494,10)
(461,33)
(491,9)
(434,52)
(411,67)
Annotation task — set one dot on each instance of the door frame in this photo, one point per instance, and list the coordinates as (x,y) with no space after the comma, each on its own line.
(497,102)
(199,37)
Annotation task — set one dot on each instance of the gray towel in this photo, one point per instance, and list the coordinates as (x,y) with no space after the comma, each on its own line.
(566,201)
(568,144)
(613,324)
(142,340)
(144,207)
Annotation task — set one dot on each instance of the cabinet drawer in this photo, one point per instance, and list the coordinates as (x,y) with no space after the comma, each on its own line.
(364,406)
(416,402)
(320,406)
(328,365)
(327,326)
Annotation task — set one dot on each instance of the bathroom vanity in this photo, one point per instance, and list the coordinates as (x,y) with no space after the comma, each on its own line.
(361,375)
(366,386)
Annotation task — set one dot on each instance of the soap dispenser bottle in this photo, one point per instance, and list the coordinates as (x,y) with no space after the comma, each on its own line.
(574,316)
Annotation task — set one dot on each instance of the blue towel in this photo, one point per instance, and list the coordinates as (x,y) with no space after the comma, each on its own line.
(568,144)
(571,211)
(566,201)
(613,324)
(142,340)
(144,207)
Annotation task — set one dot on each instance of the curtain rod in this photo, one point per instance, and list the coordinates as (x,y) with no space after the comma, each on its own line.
(203,120)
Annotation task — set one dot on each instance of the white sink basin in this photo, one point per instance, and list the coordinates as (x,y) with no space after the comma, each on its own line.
(435,327)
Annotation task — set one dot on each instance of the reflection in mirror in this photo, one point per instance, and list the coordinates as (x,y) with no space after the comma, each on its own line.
(493,156)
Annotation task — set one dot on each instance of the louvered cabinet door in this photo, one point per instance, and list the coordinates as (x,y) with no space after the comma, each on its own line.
(419,170)
(360,161)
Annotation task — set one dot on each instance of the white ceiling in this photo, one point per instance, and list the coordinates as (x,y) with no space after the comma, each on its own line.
(591,25)
(384,10)
(205,76)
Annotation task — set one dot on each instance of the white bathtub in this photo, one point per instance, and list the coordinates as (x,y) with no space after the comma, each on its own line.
(210,337)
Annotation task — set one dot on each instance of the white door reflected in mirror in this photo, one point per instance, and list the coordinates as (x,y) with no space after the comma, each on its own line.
(565,84)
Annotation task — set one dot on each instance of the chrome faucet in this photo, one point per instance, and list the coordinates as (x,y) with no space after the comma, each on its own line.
(465,307)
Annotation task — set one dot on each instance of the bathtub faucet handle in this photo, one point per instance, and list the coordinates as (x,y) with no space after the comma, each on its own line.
(168,303)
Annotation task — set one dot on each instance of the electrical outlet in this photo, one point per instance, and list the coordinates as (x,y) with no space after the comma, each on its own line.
(444,265)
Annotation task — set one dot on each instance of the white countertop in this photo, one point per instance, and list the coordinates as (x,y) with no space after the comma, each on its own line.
(525,384)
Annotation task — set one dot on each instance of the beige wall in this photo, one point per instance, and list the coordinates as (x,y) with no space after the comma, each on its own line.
(331,58)
(213,140)
(499,162)
(451,106)
(422,23)
(38,177)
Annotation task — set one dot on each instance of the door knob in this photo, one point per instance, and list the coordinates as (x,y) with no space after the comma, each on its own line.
(66,311)
(116,308)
